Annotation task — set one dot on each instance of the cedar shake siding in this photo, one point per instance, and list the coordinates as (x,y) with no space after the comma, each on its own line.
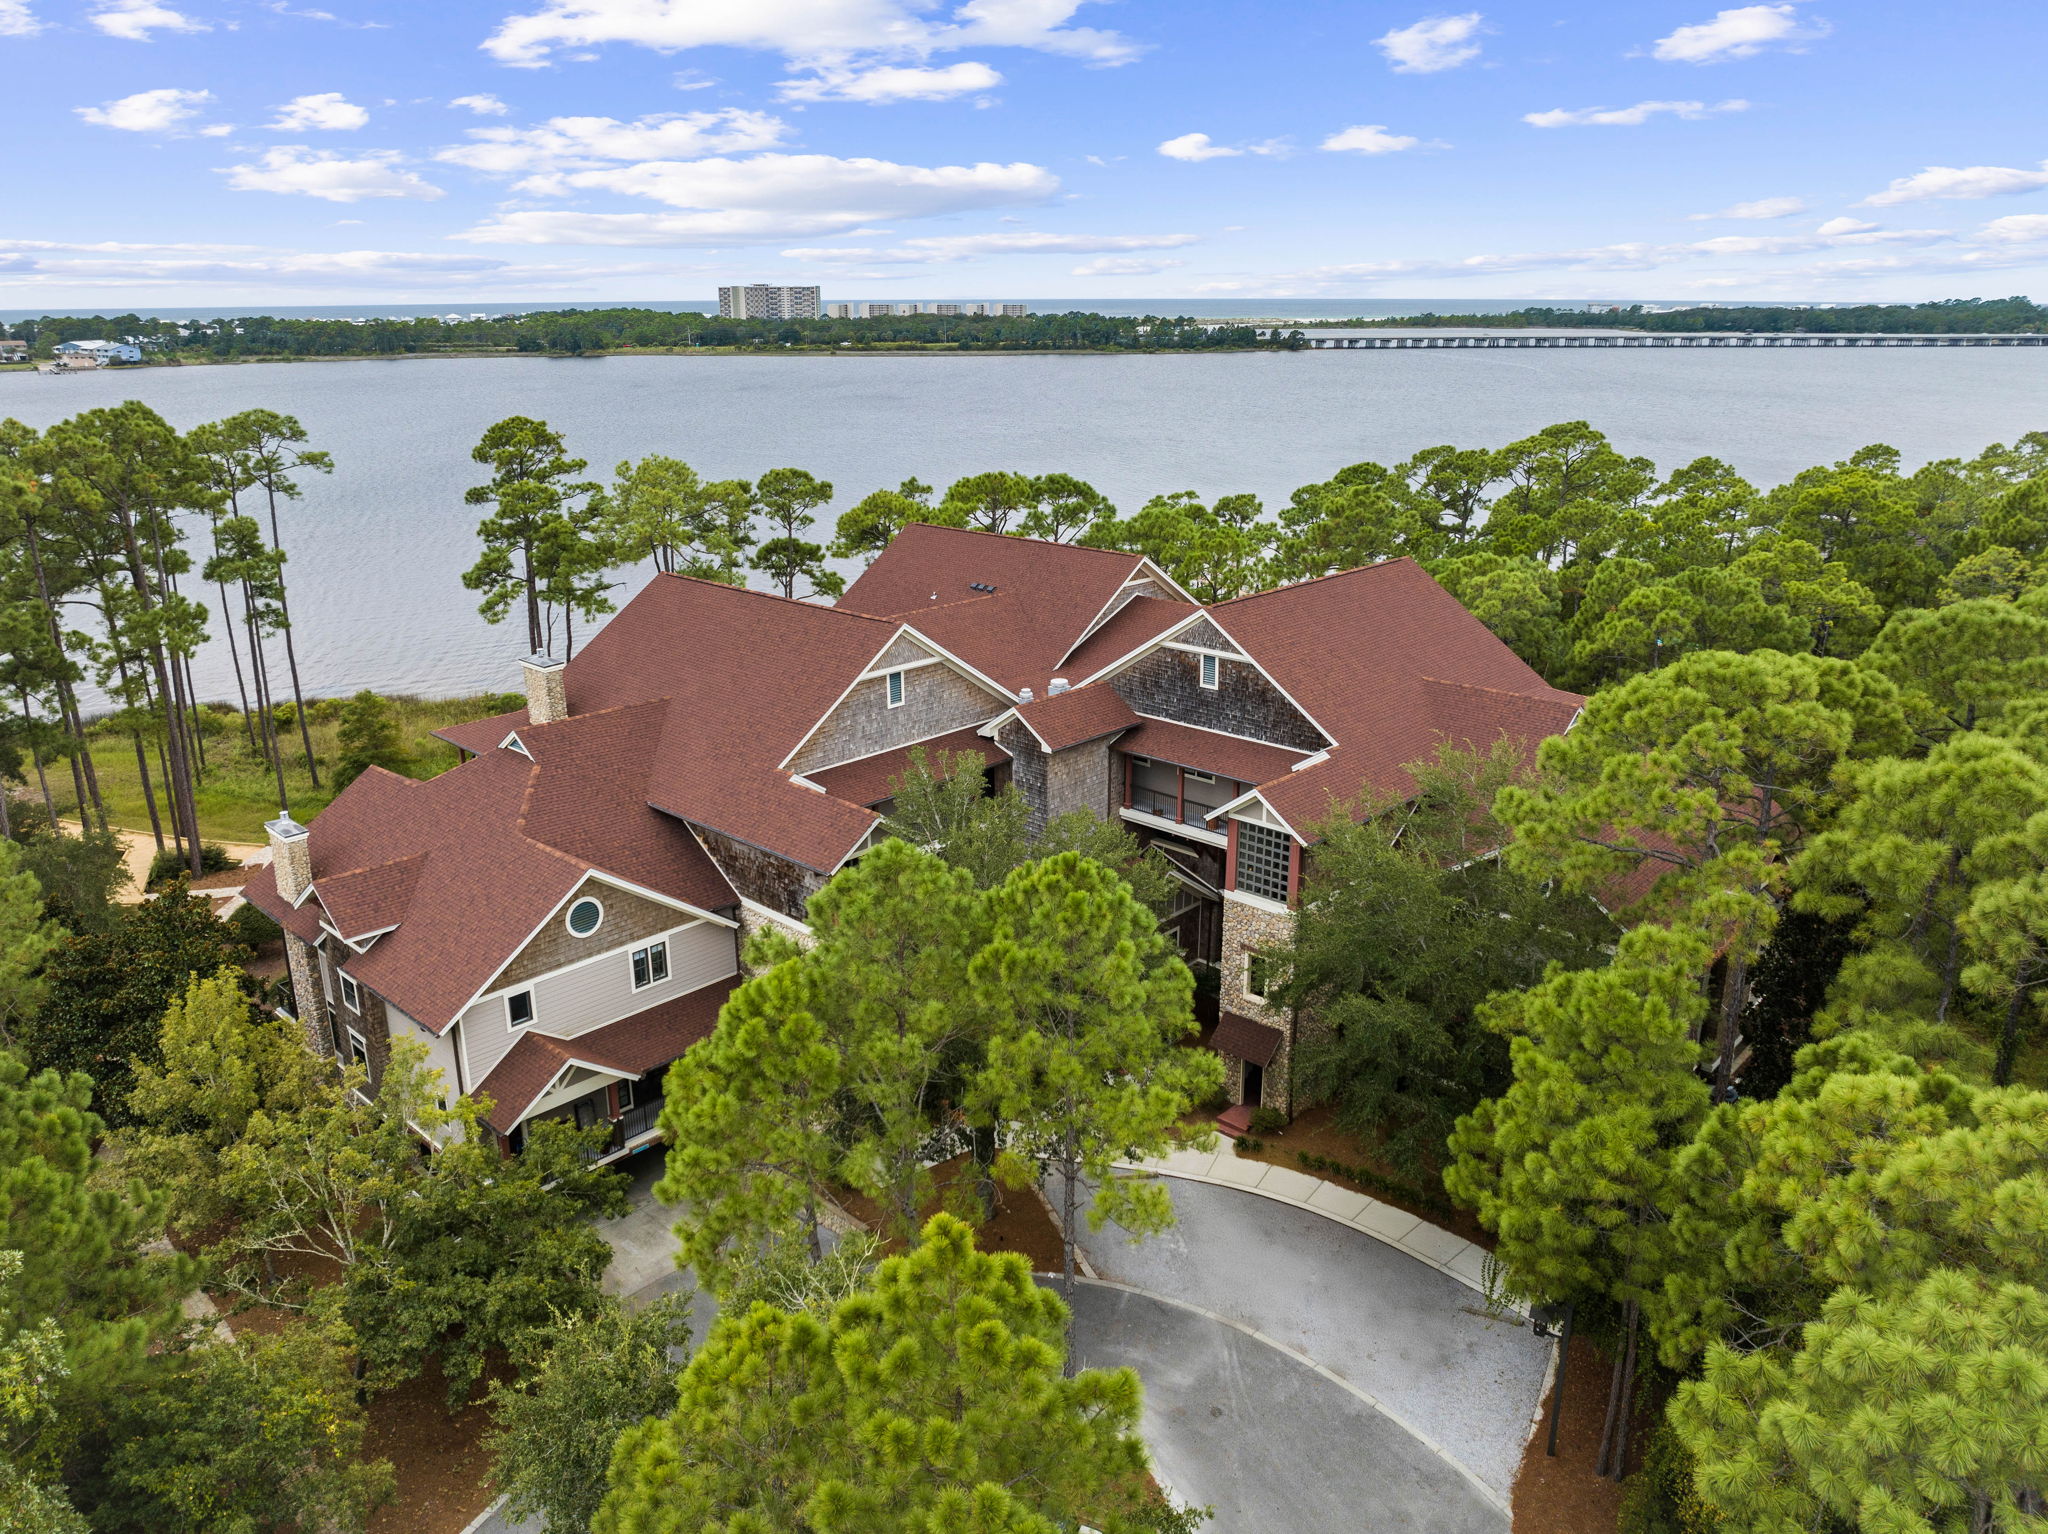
(761,876)
(596,991)
(1204,635)
(627,918)
(937,700)
(1168,683)
(1080,778)
(1027,770)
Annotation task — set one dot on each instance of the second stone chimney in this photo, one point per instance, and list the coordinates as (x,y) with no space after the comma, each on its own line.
(291,856)
(547,689)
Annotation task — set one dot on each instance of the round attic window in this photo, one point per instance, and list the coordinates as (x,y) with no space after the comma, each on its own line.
(584,917)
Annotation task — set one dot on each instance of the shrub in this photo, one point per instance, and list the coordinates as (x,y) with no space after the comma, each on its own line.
(369,738)
(252,928)
(1660,1498)
(170,864)
(1247,1143)
(1267,1121)
(285,715)
(1390,1187)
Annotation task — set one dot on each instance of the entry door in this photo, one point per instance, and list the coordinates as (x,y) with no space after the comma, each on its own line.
(1254,1084)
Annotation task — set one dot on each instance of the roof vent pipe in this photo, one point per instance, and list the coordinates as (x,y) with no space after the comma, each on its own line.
(1058,686)
(1024,695)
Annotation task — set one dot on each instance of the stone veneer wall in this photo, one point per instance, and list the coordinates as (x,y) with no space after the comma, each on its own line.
(312,1004)
(753,921)
(759,875)
(936,701)
(1249,929)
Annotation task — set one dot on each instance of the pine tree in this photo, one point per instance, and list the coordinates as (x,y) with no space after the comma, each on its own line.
(1957,667)
(1084,1066)
(1571,1166)
(531,481)
(789,500)
(932,1403)
(27,940)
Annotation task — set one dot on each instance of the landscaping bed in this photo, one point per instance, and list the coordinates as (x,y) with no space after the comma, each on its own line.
(1020,1224)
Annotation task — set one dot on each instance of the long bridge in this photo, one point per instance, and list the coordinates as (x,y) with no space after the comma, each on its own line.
(1397,342)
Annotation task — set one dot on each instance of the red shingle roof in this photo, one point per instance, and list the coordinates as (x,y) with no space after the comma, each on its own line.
(1247,761)
(1139,620)
(631,1047)
(1246,1040)
(866,782)
(1081,714)
(481,735)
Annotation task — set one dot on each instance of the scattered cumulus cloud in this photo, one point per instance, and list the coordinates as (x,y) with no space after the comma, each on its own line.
(327,112)
(884,83)
(803,30)
(135,20)
(17,20)
(161,111)
(1368,138)
(1738,34)
(1966,183)
(483,104)
(330,175)
(938,249)
(1124,266)
(1629,117)
(761,198)
(1840,226)
(587,143)
(1196,147)
(2016,229)
(1762,208)
(1433,43)
(50,266)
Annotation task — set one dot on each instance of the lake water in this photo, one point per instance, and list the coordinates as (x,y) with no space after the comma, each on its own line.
(378,549)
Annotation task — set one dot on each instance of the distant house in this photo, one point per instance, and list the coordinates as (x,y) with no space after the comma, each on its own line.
(13,351)
(104,351)
(558,918)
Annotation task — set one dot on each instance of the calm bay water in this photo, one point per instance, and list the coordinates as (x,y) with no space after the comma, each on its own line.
(378,549)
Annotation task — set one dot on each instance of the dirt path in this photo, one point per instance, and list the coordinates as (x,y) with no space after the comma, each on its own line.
(139,848)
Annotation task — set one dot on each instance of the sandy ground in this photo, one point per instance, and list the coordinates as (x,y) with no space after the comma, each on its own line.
(139,848)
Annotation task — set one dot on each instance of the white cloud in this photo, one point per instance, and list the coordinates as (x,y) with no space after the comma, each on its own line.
(17,20)
(2016,229)
(1199,146)
(1628,117)
(1431,44)
(586,143)
(937,249)
(1763,207)
(134,20)
(802,30)
(483,104)
(1368,138)
(1737,34)
(763,198)
(330,175)
(1963,184)
(883,83)
(163,111)
(1124,266)
(329,112)
(1837,226)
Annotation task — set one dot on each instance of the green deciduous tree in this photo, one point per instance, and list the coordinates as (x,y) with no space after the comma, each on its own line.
(367,733)
(1715,769)
(1084,1066)
(582,1383)
(933,1403)
(1409,923)
(79,876)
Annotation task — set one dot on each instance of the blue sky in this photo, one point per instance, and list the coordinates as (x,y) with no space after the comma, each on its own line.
(312,151)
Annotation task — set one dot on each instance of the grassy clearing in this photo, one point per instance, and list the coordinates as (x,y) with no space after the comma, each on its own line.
(237,793)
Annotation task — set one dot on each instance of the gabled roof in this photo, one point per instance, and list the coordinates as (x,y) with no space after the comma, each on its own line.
(1226,756)
(1134,625)
(473,861)
(866,782)
(1393,666)
(1073,717)
(1046,595)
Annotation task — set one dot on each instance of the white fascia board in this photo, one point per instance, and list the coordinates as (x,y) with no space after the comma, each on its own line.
(866,841)
(1004,718)
(892,750)
(771,914)
(1250,740)
(598,958)
(972,673)
(1103,613)
(1148,647)
(869,671)
(819,723)
(1245,651)
(1254,795)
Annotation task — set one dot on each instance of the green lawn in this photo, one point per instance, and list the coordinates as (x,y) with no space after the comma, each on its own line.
(237,793)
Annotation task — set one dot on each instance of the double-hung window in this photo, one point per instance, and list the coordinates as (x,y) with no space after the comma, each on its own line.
(650,965)
(351,997)
(895,689)
(358,1049)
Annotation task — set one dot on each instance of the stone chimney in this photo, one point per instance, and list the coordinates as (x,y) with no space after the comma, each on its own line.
(547,689)
(291,856)
(1057,686)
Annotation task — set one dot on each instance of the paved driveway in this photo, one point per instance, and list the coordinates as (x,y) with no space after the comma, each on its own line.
(1412,1338)
(1273,1445)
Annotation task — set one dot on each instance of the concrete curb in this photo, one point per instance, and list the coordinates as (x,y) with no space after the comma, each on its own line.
(1493,1498)
(485,1516)
(1386,1223)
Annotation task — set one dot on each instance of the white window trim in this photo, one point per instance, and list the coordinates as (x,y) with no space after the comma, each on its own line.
(648,948)
(512,1024)
(578,901)
(1212,671)
(898,690)
(351,992)
(360,1042)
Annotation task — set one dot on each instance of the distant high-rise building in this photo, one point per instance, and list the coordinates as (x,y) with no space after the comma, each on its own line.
(877,311)
(1012,311)
(760,301)
(839,311)
(946,308)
